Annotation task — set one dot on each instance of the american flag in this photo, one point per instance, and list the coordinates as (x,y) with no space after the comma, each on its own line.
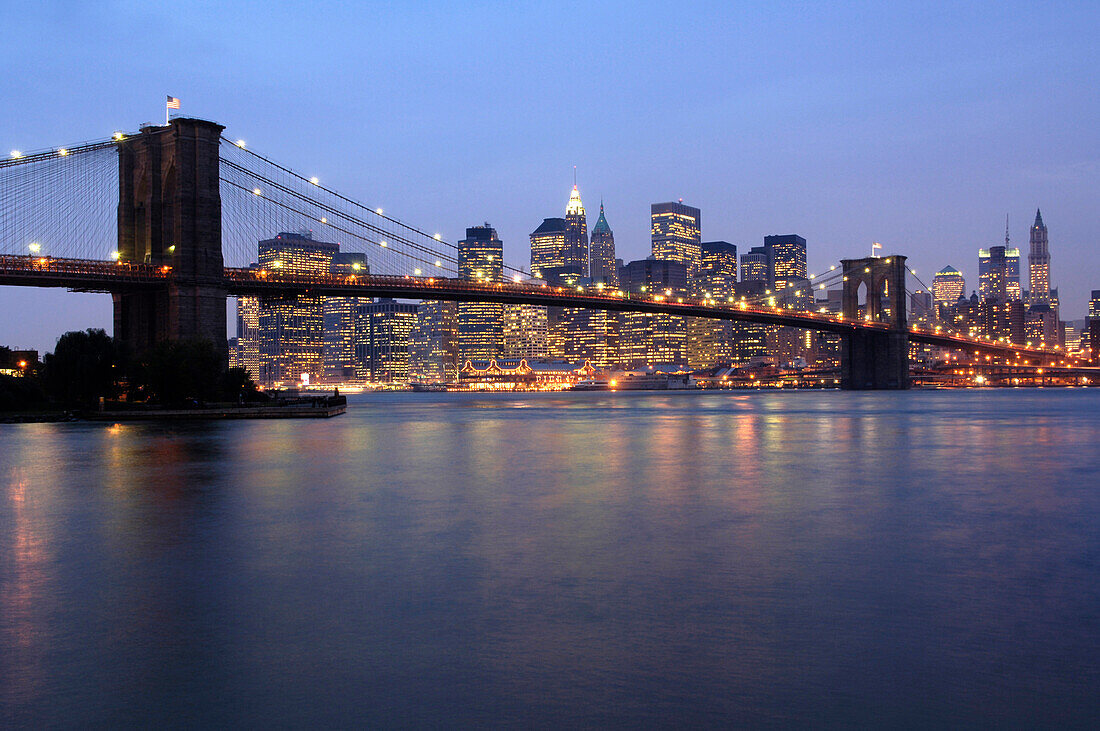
(873,246)
(173,103)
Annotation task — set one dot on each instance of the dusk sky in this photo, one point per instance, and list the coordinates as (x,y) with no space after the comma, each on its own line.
(919,128)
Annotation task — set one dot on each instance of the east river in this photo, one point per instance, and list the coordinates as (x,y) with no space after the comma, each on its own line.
(766,559)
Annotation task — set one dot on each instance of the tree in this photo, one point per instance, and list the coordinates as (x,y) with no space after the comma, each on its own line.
(238,385)
(178,371)
(82,367)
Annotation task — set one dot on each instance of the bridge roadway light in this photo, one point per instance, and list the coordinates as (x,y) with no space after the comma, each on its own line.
(438,263)
(416,272)
(35,247)
(118,135)
(116,255)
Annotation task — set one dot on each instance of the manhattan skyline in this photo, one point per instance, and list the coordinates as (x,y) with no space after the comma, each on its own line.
(844,127)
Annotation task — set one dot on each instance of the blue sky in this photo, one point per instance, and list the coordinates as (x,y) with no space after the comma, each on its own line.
(919,127)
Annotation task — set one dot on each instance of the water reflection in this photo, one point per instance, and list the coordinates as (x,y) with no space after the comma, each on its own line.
(742,558)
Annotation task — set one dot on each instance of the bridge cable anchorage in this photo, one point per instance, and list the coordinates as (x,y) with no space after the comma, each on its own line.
(314,184)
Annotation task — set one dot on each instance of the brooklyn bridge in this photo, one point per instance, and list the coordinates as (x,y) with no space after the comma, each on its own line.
(165,221)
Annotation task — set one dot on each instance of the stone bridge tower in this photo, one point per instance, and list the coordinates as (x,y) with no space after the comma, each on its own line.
(170,214)
(875,359)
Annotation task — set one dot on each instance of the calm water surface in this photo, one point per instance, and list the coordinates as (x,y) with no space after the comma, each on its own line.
(902,559)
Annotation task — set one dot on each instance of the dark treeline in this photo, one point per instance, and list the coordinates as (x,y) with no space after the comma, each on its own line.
(88,365)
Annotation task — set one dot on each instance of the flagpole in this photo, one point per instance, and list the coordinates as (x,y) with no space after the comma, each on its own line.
(165,113)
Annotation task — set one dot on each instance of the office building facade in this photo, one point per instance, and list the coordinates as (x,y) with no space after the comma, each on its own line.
(341,324)
(433,343)
(291,328)
(548,248)
(576,234)
(1038,262)
(786,260)
(675,235)
(480,324)
(384,348)
(603,266)
(947,286)
(999,274)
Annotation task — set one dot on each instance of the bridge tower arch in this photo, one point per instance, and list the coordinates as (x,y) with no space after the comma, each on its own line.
(875,359)
(169,214)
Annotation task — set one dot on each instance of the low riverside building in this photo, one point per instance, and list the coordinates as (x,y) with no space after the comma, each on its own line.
(654,378)
(511,374)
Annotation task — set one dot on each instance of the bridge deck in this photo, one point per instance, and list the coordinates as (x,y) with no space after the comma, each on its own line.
(107,276)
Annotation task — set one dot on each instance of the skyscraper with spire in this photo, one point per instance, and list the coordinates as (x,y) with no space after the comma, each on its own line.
(1038,262)
(999,272)
(576,233)
(602,253)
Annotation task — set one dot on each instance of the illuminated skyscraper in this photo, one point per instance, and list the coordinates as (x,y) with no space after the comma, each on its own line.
(559,246)
(710,342)
(248,335)
(480,324)
(654,276)
(646,339)
(920,306)
(526,332)
(384,350)
(675,234)
(548,249)
(590,335)
(433,343)
(1094,327)
(718,269)
(292,328)
(999,274)
(576,234)
(754,265)
(1038,262)
(786,260)
(341,364)
(749,339)
(948,285)
(602,252)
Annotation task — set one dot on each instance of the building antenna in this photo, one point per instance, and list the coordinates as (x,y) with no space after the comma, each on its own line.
(574,176)
(1006,230)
